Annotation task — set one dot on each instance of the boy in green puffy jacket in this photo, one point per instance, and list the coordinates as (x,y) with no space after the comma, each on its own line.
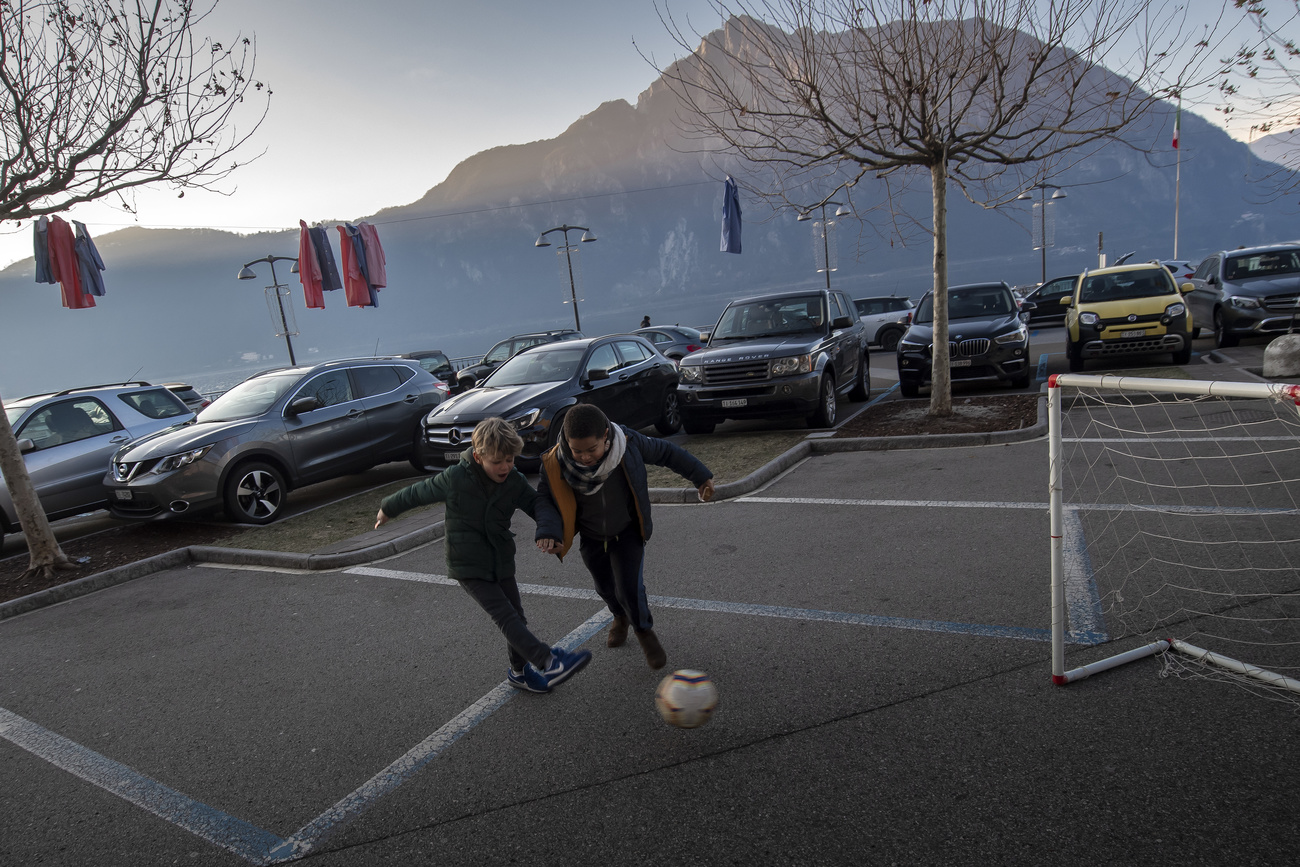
(482,493)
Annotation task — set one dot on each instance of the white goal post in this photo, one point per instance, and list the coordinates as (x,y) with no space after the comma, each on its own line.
(1174,509)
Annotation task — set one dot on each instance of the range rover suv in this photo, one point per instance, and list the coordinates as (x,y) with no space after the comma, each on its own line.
(771,356)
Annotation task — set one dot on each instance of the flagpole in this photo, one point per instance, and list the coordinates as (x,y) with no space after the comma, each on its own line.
(1178,171)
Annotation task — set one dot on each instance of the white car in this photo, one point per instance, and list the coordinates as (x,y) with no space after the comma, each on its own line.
(876,312)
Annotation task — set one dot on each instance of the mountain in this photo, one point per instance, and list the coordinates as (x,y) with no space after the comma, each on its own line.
(463,270)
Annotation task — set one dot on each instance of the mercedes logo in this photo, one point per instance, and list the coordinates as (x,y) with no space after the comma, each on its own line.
(453,436)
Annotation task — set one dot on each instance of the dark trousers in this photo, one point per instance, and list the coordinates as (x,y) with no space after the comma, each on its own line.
(500,599)
(616,565)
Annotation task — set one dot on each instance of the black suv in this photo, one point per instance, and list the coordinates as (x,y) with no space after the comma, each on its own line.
(787,354)
(507,349)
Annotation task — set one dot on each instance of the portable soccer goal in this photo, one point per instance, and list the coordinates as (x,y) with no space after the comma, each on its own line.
(1174,527)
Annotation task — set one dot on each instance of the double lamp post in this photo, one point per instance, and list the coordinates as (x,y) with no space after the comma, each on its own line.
(247,273)
(568,250)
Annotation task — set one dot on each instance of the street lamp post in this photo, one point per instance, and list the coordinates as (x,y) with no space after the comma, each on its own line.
(247,273)
(826,227)
(1042,216)
(568,256)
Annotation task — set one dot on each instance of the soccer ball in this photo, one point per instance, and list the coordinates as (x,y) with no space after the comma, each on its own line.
(686,698)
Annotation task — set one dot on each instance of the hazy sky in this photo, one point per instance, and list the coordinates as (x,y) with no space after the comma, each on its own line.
(375,102)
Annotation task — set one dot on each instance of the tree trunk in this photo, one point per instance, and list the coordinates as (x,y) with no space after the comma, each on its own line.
(940,371)
(46,555)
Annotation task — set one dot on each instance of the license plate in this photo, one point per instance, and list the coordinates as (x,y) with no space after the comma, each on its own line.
(122,495)
(960,362)
(1139,333)
(735,401)
(454,457)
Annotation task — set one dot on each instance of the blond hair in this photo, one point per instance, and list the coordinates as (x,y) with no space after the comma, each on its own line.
(496,439)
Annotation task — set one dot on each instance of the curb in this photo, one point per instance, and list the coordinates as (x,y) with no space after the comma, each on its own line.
(433,532)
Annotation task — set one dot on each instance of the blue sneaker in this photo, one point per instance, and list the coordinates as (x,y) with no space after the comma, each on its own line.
(530,679)
(565,663)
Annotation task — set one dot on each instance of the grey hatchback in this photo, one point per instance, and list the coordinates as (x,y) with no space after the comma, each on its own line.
(67,439)
(276,431)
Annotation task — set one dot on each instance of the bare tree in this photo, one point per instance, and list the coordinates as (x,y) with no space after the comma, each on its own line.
(984,95)
(96,100)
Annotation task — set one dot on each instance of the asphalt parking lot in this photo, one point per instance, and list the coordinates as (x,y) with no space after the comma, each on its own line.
(883,667)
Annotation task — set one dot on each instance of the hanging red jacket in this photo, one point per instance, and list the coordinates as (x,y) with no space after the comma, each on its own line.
(309,270)
(65,267)
(375,260)
(354,280)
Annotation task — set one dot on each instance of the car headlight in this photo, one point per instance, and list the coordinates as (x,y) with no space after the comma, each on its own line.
(526,419)
(793,365)
(690,372)
(1175,310)
(1020,335)
(910,346)
(176,461)
(1244,303)
(1089,319)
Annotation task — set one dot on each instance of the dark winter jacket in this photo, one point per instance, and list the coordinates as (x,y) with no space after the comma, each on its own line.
(557,504)
(479,542)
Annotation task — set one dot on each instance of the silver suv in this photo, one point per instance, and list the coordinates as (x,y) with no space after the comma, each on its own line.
(276,431)
(68,438)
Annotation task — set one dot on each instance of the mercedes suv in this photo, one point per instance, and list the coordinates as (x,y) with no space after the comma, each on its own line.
(771,356)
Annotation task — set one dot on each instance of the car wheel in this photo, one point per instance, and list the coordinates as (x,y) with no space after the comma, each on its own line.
(889,340)
(824,415)
(417,452)
(907,388)
(1072,355)
(697,426)
(254,494)
(1021,381)
(556,428)
(1184,355)
(1196,332)
(862,385)
(670,419)
(1222,338)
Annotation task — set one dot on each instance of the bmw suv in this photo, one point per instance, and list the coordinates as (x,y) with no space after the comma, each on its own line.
(275,431)
(987,339)
(771,356)
(67,439)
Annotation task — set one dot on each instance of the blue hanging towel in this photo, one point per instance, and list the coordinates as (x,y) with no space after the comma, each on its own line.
(730,217)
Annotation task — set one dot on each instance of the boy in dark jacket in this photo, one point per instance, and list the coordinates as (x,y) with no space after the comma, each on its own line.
(593,483)
(481,493)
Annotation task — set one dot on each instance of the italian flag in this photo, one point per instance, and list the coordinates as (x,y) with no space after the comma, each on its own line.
(1178,125)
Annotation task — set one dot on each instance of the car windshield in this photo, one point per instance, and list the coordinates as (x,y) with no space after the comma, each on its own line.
(970,302)
(770,318)
(250,398)
(544,364)
(1125,285)
(1268,264)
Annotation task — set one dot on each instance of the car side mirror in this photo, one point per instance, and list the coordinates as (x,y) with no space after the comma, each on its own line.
(1067,301)
(1028,305)
(1187,287)
(597,375)
(26,445)
(1211,279)
(303,404)
(842,322)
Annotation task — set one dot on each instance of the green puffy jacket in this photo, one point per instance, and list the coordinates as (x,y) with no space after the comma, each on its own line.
(479,542)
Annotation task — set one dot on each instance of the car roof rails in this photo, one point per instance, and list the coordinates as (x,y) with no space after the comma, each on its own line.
(136,383)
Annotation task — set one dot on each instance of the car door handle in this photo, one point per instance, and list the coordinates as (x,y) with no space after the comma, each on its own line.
(120,439)
(355,413)
(411,398)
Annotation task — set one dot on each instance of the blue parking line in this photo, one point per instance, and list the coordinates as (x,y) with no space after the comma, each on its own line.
(1042,366)
(234,835)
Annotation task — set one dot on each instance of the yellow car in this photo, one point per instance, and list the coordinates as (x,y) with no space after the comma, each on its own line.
(1128,310)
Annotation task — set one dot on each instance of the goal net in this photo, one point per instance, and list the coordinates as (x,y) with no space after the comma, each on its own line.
(1174,528)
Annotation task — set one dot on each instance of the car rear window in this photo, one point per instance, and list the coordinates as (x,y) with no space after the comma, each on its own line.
(375,379)
(155,403)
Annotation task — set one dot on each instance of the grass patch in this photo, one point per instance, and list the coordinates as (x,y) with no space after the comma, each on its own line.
(326,525)
(730,456)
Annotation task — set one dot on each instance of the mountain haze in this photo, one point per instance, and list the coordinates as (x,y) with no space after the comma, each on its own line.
(463,270)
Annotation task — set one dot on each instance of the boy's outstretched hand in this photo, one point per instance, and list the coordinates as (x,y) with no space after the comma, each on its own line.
(381,519)
(706,491)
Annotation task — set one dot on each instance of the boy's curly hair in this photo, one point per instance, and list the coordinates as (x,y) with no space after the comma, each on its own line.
(496,439)
(583,421)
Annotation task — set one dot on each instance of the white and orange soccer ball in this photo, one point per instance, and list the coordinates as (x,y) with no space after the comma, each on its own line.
(686,698)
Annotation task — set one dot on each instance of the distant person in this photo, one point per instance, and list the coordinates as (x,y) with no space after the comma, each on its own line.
(645,322)
(482,493)
(593,483)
